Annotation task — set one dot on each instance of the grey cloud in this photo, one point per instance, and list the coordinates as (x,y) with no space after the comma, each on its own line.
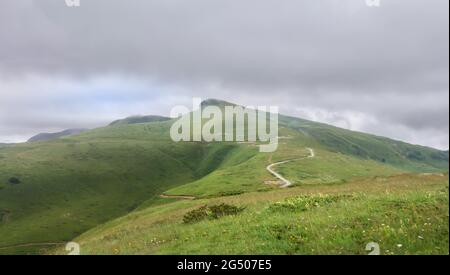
(338,56)
(267,43)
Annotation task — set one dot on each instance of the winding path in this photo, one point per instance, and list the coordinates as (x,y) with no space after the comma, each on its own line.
(287,183)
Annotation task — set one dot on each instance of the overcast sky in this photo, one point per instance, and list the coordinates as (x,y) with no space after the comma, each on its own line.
(379,70)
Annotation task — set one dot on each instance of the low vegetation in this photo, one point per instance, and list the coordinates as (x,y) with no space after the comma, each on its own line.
(211,212)
(14,180)
(304,203)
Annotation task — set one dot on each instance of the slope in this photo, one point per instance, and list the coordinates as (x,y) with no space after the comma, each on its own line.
(139,119)
(367,146)
(50,136)
(72,184)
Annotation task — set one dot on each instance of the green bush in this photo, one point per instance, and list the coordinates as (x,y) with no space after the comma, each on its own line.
(230,193)
(196,215)
(211,212)
(14,180)
(223,209)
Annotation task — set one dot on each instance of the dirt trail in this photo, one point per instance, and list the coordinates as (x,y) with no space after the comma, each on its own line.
(287,183)
(30,245)
(179,197)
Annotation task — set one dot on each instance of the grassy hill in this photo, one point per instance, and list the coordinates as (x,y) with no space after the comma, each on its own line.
(73,184)
(366,146)
(139,119)
(50,136)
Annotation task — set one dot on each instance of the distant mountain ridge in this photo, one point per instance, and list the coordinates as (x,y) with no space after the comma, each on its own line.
(139,119)
(76,131)
(51,136)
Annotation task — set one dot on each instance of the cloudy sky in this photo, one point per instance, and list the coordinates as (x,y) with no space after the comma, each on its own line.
(380,70)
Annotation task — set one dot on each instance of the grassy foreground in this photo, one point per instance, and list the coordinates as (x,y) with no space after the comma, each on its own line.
(404,214)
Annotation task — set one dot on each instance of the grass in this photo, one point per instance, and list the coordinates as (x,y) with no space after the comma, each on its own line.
(405,214)
(333,168)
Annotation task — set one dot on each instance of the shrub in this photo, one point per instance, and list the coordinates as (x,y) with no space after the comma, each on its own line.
(223,209)
(211,212)
(14,180)
(230,193)
(415,155)
(196,215)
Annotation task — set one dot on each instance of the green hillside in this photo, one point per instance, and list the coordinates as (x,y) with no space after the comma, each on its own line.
(70,185)
(51,136)
(139,119)
(54,191)
(366,146)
